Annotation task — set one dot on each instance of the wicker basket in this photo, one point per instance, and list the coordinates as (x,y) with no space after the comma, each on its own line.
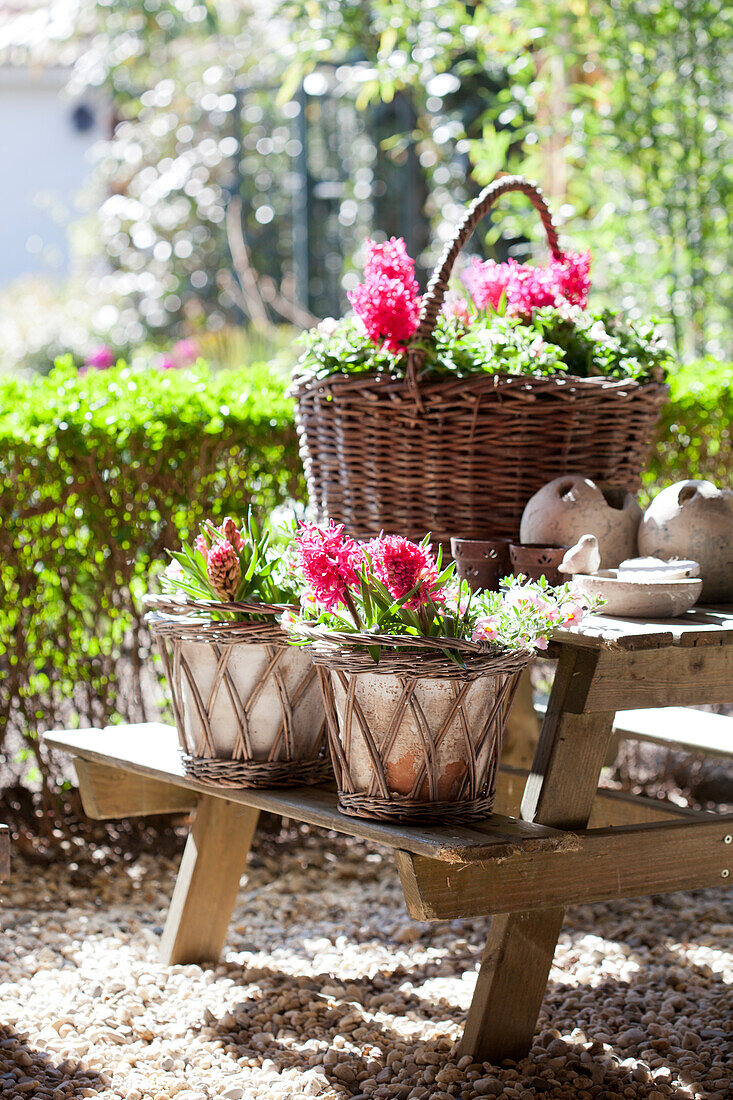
(416,737)
(247,704)
(462,456)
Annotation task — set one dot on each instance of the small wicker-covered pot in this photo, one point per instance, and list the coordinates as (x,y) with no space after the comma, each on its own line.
(416,737)
(247,705)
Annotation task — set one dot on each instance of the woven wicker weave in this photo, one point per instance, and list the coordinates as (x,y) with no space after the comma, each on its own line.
(416,737)
(246,703)
(462,456)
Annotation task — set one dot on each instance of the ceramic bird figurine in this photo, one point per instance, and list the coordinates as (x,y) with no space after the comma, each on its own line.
(584,557)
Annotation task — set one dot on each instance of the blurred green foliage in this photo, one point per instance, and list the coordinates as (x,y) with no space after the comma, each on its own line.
(99,473)
(695,437)
(388,115)
(620,108)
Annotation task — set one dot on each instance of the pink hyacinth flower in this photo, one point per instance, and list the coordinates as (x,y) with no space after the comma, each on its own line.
(564,281)
(388,301)
(223,570)
(101,358)
(329,561)
(230,531)
(402,565)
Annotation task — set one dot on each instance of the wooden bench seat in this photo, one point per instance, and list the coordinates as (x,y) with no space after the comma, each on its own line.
(150,752)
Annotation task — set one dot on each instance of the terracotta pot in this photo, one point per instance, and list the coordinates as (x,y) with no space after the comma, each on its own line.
(481,562)
(536,560)
(417,749)
(255,693)
(569,507)
(694,519)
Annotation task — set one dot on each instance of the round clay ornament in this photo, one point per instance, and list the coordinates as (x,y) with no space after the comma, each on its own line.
(565,509)
(694,519)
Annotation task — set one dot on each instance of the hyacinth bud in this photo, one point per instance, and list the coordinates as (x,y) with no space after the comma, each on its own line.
(223,570)
(230,531)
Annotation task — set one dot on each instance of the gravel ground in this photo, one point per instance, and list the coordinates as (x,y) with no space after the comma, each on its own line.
(327,989)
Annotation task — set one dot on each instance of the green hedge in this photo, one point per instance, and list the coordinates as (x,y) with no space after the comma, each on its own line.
(99,471)
(695,437)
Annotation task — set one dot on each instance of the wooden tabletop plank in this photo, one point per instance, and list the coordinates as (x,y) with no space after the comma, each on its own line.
(151,749)
(700,626)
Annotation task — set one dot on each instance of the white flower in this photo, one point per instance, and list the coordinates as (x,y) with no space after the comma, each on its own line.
(327,327)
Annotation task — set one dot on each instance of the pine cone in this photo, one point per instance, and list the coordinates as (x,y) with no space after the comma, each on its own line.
(223,570)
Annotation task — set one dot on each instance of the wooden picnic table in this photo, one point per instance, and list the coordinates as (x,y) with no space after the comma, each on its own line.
(567,843)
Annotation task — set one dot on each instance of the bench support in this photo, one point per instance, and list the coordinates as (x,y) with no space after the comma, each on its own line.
(4,852)
(560,792)
(108,793)
(208,881)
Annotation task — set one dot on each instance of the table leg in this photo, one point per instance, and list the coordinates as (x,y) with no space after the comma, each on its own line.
(208,880)
(560,791)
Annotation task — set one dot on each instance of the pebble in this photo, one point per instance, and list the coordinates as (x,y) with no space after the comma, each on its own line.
(326,990)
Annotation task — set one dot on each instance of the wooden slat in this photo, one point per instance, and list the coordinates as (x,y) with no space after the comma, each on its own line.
(208,880)
(679,728)
(111,793)
(4,852)
(609,807)
(608,864)
(700,626)
(151,750)
(562,786)
(678,676)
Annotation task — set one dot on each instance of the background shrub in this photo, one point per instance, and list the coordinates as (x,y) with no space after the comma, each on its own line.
(695,437)
(99,473)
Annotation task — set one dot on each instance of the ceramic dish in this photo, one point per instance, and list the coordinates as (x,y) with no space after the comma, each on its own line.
(640,599)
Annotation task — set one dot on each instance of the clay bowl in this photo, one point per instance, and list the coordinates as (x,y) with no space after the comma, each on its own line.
(640,599)
(482,562)
(536,560)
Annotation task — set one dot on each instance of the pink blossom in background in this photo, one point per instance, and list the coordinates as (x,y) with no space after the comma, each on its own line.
(388,301)
(390,259)
(186,351)
(101,358)
(401,565)
(167,362)
(455,305)
(572,274)
(329,560)
(487,281)
(565,280)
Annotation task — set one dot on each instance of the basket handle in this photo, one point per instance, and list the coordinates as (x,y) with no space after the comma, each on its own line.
(435,293)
